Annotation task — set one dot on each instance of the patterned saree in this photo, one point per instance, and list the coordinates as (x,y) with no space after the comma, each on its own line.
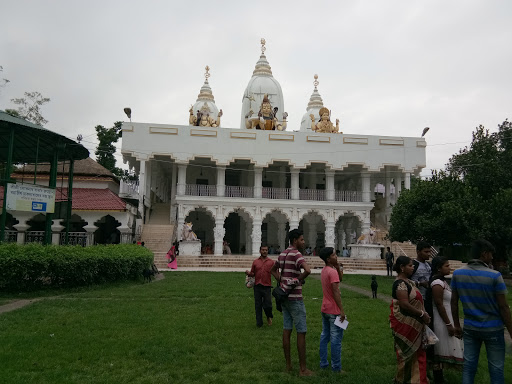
(408,334)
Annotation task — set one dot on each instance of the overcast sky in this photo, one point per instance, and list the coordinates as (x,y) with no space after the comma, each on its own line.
(385,67)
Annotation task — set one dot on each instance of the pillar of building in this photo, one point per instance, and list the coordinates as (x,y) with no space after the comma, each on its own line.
(22,229)
(126,235)
(248,238)
(258,180)
(221,180)
(142,187)
(218,234)
(294,186)
(407,180)
(90,229)
(329,184)
(281,235)
(387,192)
(398,186)
(329,234)
(365,186)
(256,237)
(182,179)
(57,228)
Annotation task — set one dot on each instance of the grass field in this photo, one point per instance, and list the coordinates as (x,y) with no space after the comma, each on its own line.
(190,327)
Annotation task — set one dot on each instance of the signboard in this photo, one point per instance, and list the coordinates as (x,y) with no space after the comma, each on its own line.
(31,198)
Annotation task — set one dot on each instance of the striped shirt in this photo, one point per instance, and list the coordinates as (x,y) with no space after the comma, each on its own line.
(477,286)
(291,270)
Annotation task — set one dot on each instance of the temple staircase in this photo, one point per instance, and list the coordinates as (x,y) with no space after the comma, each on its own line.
(158,235)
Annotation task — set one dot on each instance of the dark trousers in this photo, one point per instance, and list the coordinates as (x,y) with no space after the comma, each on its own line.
(262,300)
(389,269)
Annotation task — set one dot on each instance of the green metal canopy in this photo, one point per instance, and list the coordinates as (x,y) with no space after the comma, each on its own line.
(33,143)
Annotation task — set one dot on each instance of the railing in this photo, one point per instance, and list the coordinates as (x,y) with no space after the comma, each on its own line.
(34,236)
(11,236)
(275,193)
(237,191)
(200,190)
(129,187)
(74,238)
(352,196)
(312,194)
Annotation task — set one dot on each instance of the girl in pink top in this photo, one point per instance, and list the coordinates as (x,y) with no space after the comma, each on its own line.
(331,277)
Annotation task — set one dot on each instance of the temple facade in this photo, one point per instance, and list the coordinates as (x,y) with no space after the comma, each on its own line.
(251,184)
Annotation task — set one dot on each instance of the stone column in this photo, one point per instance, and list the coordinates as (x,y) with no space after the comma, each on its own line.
(182,179)
(294,185)
(258,179)
(248,238)
(329,184)
(256,237)
(329,234)
(312,235)
(221,180)
(398,186)
(218,234)
(387,193)
(365,228)
(90,234)
(365,185)
(407,181)
(22,229)
(142,187)
(281,235)
(56,230)
(294,224)
(126,235)
(173,193)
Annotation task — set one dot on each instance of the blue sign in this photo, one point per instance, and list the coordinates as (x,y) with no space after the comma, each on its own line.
(38,206)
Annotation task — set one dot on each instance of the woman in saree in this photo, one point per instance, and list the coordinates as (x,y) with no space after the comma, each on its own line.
(407,321)
(171,256)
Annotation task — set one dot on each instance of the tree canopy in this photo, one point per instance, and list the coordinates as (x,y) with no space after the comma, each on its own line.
(29,107)
(471,198)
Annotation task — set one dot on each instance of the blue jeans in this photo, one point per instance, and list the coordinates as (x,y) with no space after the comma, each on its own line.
(495,348)
(334,334)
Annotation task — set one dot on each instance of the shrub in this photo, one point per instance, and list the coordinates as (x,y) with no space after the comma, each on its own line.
(34,266)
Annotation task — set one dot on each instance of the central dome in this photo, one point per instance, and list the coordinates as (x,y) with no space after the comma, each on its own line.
(262,83)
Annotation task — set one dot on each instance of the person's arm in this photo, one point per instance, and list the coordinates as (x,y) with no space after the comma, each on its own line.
(304,273)
(252,272)
(437,298)
(337,298)
(504,311)
(275,271)
(403,302)
(454,304)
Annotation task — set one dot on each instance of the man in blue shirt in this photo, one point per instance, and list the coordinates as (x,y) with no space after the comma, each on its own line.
(482,292)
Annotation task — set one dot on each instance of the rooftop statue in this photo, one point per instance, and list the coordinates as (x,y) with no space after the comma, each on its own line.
(324,125)
(266,119)
(203,119)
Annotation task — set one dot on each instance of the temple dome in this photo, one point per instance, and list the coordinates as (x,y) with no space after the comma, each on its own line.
(205,99)
(262,82)
(314,105)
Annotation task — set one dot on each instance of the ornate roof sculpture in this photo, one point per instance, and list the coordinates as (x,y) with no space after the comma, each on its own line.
(205,112)
(263,83)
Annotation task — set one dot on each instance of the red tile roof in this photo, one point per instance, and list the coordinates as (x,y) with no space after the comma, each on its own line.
(87,199)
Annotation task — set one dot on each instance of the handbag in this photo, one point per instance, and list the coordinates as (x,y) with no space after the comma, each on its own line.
(279,293)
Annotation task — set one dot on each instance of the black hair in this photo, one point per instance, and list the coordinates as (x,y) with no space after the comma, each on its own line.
(437,262)
(480,246)
(374,277)
(400,262)
(263,246)
(294,234)
(325,253)
(422,245)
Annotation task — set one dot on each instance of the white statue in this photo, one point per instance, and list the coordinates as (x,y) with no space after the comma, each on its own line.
(187,234)
(368,238)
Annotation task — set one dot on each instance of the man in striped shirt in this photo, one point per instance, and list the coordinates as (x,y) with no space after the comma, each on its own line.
(290,263)
(486,312)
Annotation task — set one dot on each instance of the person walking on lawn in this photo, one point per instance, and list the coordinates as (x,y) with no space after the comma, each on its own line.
(331,276)
(288,270)
(482,292)
(260,270)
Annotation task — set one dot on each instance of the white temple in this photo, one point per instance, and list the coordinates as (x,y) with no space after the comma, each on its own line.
(251,184)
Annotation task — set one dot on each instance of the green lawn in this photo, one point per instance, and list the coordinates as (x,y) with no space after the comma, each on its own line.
(190,327)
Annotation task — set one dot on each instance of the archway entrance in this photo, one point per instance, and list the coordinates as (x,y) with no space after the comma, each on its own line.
(313,227)
(107,232)
(238,228)
(202,225)
(274,231)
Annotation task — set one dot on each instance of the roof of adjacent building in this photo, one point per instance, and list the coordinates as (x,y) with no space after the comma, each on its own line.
(87,199)
(86,166)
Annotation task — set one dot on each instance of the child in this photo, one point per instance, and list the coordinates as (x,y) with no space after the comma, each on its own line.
(332,308)
(374,286)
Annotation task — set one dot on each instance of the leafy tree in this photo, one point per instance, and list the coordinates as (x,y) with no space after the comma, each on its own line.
(29,107)
(105,150)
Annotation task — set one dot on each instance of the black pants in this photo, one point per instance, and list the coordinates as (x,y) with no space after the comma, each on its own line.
(262,299)
(389,269)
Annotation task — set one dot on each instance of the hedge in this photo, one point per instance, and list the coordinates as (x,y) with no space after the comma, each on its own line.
(34,266)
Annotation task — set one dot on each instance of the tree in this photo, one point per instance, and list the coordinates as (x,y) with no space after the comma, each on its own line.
(105,150)
(29,107)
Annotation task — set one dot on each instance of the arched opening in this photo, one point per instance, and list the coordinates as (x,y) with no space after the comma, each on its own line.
(274,231)
(107,232)
(202,225)
(35,233)
(313,227)
(347,230)
(11,233)
(77,234)
(238,230)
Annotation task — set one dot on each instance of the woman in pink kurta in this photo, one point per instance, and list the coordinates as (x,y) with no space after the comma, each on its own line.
(171,256)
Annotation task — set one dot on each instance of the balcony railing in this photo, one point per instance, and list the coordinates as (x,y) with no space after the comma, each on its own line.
(10,236)
(34,236)
(74,238)
(312,194)
(236,191)
(200,190)
(352,196)
(275,193)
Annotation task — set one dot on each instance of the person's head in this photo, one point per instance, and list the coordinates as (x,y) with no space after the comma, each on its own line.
(389,249)
(483,250)
(324,114)
(440,266)
(403,265)
(263,251)
(296,239)
(328,255)
(423,251)
(374,277)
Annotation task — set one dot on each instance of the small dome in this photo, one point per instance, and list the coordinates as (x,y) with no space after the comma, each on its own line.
(262,82)
(314,105)
(205,100)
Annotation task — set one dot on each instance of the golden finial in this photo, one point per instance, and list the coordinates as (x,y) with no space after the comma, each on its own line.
(263,46)
(207,73)
(315,83)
